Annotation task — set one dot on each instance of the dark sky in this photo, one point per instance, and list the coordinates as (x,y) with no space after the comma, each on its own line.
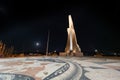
(25,22)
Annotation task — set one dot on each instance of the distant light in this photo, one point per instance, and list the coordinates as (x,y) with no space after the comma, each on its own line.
(55,51)
(96,50)
(37,44)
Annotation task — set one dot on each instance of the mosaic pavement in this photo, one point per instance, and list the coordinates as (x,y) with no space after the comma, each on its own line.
(59,68)
(98,68)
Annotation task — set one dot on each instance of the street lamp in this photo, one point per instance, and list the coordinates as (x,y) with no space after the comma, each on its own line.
(37,44)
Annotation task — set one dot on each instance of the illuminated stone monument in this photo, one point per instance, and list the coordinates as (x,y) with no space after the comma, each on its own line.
(72,47)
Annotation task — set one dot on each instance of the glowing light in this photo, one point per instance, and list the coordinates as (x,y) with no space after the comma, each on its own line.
(96,50)
(74,51)
(37,44)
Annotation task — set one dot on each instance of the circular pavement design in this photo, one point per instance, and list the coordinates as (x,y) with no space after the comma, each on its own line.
(10,76)
(67,71)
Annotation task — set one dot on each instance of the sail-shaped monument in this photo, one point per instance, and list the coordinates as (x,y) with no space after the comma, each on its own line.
(72,48)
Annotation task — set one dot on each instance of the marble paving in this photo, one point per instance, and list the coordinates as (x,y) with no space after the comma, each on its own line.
(36,68)
(98,68)
(59,68)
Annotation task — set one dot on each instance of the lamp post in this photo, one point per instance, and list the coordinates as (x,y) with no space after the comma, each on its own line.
(47,43)
(37,44)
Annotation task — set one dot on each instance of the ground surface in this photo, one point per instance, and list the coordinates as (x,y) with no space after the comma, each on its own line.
(59,68)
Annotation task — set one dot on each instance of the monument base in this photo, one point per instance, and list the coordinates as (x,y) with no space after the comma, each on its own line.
(77,54)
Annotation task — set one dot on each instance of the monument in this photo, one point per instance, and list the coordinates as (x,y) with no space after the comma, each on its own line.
(72,47)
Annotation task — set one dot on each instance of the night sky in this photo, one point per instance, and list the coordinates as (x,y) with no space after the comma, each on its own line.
(25,22)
